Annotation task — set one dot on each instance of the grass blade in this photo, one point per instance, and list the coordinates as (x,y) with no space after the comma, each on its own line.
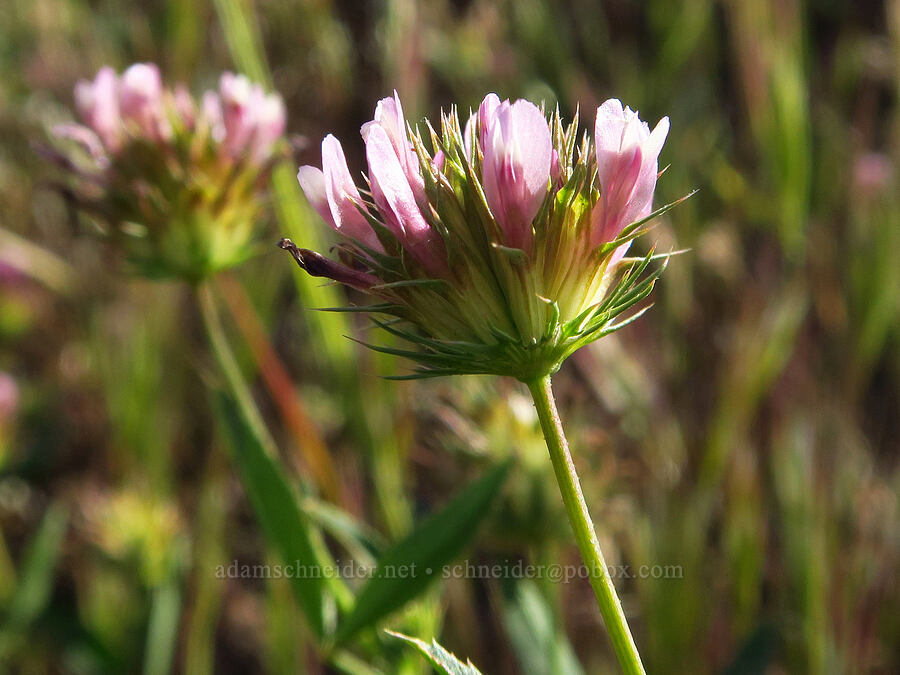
(541,646)
(36,582)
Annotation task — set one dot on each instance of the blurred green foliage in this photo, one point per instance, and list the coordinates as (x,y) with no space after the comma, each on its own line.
(743,435)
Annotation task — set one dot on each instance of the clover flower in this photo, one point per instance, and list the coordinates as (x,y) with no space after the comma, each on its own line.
(9,397)
(502,250)
(175,183)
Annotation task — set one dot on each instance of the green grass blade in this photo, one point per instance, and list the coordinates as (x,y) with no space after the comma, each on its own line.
(36,581)
(542,648)
(162,634)
(242,35)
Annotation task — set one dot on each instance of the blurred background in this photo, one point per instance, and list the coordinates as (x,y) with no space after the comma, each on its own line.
(745,432)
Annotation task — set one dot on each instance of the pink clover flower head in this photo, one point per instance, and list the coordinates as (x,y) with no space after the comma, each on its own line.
(498,245)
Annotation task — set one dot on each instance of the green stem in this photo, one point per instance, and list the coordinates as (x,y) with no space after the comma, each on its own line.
(230,368)
(580,519)
(232,372)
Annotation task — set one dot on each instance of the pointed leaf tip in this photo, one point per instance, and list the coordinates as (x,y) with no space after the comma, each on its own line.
(444,661)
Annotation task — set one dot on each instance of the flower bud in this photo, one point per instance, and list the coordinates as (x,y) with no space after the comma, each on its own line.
(396,201)
(270,124)
(332,193)
(184,106)
(389,116)
(627,155)
(237,96)
(517,152)
(319,266)
(252,120)
(9,397)
(141,101)
(98,104)
(211,117)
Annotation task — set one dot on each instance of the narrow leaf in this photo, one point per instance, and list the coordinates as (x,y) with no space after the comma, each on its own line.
(542,648)
(405,283)
(36,582)
(636,229)
(276,507)
(405,570)
(613,327)
(162,634)
(437,656)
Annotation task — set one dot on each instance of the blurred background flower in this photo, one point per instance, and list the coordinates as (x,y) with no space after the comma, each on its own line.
(746,430)
(177,185)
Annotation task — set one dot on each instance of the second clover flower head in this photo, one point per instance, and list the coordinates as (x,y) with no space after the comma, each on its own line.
(177,185)
(501,249)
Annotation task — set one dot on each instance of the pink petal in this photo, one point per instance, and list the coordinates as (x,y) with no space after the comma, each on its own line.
(654,144)
(98,104)
(516,168)
(270,123)
(140,99)
(211,115)
(343,195)
(487,113)
(389,115)
(184,106)
(642,195)
(394,198)
(312,182)
(238,97)
(534,149)
(608,134)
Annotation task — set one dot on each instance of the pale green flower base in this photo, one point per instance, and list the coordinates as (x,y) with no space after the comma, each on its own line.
(580,519)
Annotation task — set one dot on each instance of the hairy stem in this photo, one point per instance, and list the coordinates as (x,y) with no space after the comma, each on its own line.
(582,525)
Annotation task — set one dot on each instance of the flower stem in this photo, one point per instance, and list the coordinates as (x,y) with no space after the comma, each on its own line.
(580,519)
(230,369)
